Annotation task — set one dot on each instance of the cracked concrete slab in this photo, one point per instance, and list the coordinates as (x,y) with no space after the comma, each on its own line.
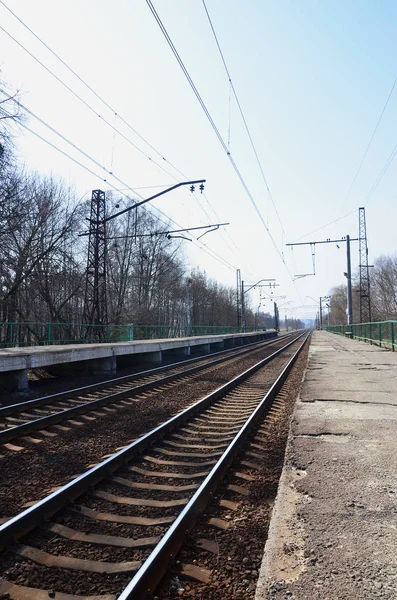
(333,531)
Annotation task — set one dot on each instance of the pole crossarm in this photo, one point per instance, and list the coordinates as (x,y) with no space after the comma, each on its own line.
(303,275)
(322,299)
(243,292)
(95,300)
(347,239)
(138,204)
(260,281)
(214,226)
(322,242)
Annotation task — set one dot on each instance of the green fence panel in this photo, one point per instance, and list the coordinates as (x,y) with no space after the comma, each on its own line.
(46,333)
(380,333)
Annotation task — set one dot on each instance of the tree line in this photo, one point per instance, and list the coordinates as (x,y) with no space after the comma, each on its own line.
(383,293)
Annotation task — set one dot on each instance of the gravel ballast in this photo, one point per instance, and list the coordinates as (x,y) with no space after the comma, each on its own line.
(235,567)
(28,475)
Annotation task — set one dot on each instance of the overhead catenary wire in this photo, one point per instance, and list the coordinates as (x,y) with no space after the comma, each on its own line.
(227,235)
(216,130)
(381,174)
(90,88)
(77,162)
(98,96)
(95,93)
(105,103)
(200,244)
(233,90)
(65,139)
(205,248)
(86,104)
(326,225)
(244,120)
(209,218)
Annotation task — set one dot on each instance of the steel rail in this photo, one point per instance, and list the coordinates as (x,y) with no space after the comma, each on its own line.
(10,410)
(24,429)
(153,569)
(24,522)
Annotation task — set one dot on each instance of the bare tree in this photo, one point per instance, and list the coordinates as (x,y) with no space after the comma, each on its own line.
(384,288)
(32,248)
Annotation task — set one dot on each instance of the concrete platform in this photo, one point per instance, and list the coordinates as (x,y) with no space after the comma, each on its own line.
(333,533)
(98,359)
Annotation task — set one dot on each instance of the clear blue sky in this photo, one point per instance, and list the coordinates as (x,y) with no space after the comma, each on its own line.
(312,78)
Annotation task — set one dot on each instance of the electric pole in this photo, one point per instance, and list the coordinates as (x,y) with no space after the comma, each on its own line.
(326,298)
(95,297)
(349,284)
(276,318)
(365,297)
(95,301)
(243,292)
(238,299)
(348,273)
(321,315)
(188,308)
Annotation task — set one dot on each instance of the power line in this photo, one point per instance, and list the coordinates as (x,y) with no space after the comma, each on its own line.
(246,127)
(90,88)
(204,247)
(381,174)
(65,139)
(86,104)
(227,234)
(90,108)
(200,245)
(370,142)
(207,250)
(324,226)
(71,158)
(214,127)
(217,256)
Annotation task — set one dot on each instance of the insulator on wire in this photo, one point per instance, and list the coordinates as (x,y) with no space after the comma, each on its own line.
(201,188)
(192,188)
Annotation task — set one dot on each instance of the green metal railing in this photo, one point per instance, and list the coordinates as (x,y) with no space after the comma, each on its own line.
(14,334)
(381,333)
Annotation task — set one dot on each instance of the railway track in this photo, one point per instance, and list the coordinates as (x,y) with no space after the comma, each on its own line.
(129,514)
(20,420)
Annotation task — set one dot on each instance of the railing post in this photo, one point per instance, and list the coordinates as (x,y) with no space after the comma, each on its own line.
(392,336)
(48,333)
(380,334)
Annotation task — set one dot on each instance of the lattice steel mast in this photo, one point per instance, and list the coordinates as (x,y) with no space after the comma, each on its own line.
(95,301)
(365,298)
(95,315)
